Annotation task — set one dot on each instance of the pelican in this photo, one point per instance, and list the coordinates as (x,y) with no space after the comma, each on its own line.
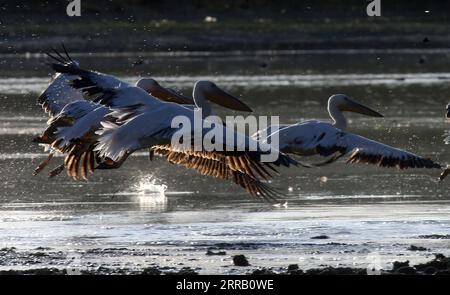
(64,101)
(78,120)
(447,141)
(331,139)
(151,128)
(147,124)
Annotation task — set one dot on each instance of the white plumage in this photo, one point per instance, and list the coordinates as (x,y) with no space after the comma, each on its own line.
(326,139)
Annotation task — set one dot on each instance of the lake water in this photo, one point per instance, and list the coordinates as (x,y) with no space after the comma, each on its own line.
(153,213)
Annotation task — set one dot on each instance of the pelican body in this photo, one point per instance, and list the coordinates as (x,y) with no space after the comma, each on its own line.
(72,116)
(331,139)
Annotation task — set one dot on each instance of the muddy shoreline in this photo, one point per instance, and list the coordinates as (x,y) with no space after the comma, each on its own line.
(15,262)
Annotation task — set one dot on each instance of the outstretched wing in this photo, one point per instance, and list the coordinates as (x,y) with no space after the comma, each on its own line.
(313,137)
(152,129)
(91,84)
(58,94)
(206,163)
(66,118)
(61,92)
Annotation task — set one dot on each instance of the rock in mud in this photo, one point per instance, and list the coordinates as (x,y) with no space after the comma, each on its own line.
(240,260)
(321,237)
(398,264)
(440,263)
(293,267)
(416,248)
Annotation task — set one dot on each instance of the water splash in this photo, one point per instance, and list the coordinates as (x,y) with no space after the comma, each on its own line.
(151,195)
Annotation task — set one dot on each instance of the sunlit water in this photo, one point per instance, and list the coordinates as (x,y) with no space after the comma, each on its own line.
(153,213)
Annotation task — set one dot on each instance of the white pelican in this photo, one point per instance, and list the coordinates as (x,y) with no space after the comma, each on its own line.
(148,125)
(330,139)
(79,119)
(239,167)
(64,101)
(151,128)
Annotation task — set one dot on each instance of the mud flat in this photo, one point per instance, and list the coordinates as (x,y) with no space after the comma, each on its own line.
(45,261)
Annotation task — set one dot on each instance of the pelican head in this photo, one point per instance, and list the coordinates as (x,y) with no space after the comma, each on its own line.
(155,89)
(213,93)
(343,103)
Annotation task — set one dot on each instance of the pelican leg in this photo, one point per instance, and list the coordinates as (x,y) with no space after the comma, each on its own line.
(56,171)
(444,173)
(43,165)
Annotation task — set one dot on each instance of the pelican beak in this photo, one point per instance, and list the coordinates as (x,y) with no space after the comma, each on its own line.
(226,100)
(353,106)
(170,95)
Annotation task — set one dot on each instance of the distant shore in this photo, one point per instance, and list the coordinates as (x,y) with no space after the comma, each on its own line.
(202,26)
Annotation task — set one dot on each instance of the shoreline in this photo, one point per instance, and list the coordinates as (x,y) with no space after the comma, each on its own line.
(62,263)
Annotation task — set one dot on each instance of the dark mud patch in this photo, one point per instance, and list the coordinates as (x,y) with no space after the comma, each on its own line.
(434,236)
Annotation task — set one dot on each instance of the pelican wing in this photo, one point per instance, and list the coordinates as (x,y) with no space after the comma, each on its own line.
(109,90)
(206,164)
(61,90)
(313,137)
(66,118)
(152,126)
(58,94)
(91,84)
(152,129)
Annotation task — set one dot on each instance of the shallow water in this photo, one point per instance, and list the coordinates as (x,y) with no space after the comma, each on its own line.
(154,213)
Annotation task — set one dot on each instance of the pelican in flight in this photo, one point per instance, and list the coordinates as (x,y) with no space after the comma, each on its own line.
(147,124)
(447,141)
(64,100)
(77,121)
(331,139)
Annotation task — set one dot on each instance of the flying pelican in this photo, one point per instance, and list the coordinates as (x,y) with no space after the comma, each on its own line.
(447,141)
(64,100)
(75,126)
(148,125)
(330,139)
(77,121)
(152,129)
